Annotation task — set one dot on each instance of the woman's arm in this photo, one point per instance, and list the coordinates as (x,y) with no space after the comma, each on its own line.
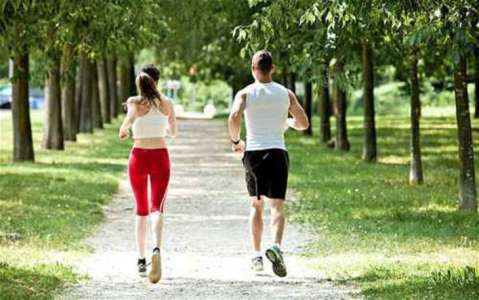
(129,119)
(172,127)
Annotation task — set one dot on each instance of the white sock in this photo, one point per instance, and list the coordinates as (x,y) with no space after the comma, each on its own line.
(257,254)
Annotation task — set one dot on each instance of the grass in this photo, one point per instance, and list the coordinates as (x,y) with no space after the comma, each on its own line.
(394,240)
(48,206)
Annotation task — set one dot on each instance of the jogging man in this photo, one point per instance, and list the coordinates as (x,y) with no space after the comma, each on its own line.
(266,105)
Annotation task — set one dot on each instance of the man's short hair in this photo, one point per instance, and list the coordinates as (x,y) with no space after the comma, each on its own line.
(263,61)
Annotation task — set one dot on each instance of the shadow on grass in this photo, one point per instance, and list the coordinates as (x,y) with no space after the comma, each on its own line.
(38,282)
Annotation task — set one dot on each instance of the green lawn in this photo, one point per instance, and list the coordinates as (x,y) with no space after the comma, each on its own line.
(48,206)
(393,240)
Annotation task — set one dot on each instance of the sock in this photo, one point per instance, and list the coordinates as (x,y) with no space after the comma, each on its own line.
(257,254)
(277,245)
(141,257)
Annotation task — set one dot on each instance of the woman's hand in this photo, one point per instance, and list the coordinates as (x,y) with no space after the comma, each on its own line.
(123,133)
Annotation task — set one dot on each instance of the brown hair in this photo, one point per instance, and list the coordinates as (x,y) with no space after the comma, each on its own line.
(147,88)
(263,61)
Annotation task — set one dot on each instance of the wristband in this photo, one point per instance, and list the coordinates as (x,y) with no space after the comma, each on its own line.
(235,142)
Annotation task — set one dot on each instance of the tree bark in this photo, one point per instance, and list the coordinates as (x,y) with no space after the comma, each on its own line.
(124,80)
(342,142)
(68,93)
(292,82)
(95,97)
(369,147)
(53,127)
(86,113)
(415,170)
(308,95)
(22,129)
(325,109)
(113,88)
(476,83)
(131,75)
(467,182)
(104,90)
(78,91)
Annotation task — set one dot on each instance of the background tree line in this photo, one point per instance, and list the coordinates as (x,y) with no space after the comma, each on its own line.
(331,43)
(86,50)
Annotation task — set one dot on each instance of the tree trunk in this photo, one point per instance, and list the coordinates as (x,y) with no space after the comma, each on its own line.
(22,129)
(112,86)
(415,171)
(467,182)
(325,109)
(124,80)
(68,94)
(292,82)
(476,83)
(86,113)
(95,97)
(78,91)
(308,97)
(104,90)
(234,88)
(369,147)
(53,127)
(342,142)
(131,75)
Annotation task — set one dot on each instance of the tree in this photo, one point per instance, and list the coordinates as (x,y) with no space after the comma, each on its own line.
(342,142)
(415,172)
(16,26)
(53,125)
(104,91)
(68,93)
(467,181)
(324,107)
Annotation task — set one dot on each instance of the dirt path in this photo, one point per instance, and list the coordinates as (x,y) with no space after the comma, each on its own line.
(206,246)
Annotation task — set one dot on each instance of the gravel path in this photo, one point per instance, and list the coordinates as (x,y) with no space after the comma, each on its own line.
(206,252)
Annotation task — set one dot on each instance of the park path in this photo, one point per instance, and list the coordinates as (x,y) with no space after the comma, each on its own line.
(206,243)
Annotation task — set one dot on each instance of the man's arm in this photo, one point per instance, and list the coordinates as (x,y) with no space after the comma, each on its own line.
(299,120)
(234,120)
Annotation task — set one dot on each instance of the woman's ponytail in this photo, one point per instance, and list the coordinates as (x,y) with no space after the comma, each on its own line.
(147,88)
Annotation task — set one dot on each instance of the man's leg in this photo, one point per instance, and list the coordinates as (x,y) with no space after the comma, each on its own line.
(274,253)
(278,220)
(256,222)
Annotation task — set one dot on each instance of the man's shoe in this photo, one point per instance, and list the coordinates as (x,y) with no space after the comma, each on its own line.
(141,267)
(275,255)
(257,264)
(155,273)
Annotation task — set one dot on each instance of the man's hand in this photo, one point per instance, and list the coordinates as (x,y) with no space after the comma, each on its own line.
(238,148)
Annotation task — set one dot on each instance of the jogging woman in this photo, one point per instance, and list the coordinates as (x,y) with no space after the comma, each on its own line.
(151,118)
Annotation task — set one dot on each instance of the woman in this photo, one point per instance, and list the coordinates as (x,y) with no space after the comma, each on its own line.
(151,118)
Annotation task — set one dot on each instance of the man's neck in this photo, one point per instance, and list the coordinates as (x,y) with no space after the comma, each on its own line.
(265,80)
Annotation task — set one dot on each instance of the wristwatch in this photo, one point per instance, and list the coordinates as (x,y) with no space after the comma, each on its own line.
(235,142)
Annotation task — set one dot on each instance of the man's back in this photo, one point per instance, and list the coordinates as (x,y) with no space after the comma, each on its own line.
(266,113)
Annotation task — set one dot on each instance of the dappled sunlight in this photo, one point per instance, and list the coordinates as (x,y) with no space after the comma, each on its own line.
(393,160)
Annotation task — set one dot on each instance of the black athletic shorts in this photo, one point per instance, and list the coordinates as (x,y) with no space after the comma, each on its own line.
(267,172)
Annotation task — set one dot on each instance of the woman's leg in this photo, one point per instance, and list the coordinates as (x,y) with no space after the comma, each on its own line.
(140,234)
(159,184)
(157,228)
(139,184)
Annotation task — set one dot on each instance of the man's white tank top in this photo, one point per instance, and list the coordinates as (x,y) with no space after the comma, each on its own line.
(266,114)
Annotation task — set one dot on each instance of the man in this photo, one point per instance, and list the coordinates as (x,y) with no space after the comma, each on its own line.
(266,105)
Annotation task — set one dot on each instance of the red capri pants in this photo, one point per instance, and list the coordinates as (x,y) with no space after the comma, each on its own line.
(154,163)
